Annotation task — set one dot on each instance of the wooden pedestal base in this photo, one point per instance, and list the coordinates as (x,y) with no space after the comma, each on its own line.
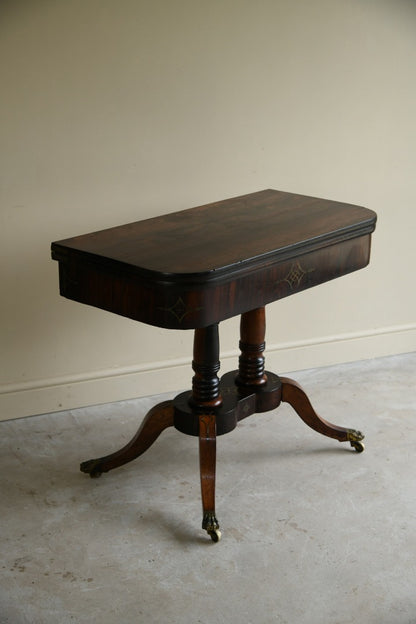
(214,407)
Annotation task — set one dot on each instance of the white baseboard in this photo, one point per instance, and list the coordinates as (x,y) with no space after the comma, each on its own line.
(63,393)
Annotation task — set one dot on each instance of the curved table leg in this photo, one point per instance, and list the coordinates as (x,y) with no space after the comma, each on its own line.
(159,418)
(293,394)
(207,462)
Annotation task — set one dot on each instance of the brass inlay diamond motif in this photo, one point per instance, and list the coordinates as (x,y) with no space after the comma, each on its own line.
(179,310)
(295,275)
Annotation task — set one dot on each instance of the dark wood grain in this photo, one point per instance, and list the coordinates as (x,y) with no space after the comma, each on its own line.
(207,470)
(252,345)
(200,266)
(294,394)
(222,235)
(159,418)
(206,364)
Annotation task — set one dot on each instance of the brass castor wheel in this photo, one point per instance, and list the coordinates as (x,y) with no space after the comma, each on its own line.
(356,438)
(215,535)
(359,446)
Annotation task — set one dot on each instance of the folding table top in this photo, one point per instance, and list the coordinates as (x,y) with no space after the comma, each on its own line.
(171,268)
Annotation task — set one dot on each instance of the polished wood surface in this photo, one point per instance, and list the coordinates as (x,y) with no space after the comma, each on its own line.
(207,470)
(206,364)
(252,345)
(223,236)
(159,418)
(200,266)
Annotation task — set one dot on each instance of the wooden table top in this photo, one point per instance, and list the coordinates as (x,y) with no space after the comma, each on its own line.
(225,235)
(198,266)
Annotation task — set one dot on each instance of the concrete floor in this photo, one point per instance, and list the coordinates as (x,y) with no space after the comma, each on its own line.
(313,533)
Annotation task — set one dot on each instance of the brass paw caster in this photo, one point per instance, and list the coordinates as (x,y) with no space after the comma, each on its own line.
(211,526)
(356,440)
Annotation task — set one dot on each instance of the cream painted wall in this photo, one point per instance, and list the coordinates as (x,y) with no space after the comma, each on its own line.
(117,110)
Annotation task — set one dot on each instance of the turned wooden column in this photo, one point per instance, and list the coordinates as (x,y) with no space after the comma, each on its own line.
(206,364)
(252,345)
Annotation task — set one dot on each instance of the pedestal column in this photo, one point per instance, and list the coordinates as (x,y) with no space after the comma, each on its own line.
(252,345)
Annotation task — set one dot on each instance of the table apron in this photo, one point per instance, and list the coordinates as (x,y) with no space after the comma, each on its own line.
(185,305)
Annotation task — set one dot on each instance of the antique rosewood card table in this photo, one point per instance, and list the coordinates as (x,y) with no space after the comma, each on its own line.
(194,268)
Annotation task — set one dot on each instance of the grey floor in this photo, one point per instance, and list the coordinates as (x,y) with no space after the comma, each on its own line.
(312,531)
